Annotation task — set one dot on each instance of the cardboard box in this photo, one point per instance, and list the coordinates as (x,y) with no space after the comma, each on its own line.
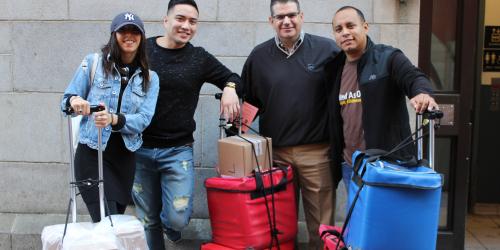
(236,158)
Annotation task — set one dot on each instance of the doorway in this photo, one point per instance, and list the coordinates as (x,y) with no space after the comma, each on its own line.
(485,174)
(445,55)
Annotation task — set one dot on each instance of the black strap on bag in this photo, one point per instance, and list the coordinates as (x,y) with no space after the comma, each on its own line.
(330,231)
(358,179)
(262,191)
(372,155)
(335,234)
(260,188)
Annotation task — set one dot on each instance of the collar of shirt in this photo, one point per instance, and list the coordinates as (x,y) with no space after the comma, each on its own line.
(289,52)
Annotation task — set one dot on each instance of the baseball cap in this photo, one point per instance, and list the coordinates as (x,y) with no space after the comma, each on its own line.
(127,18)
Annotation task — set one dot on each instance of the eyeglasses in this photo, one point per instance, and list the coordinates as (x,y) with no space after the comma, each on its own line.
(282,17)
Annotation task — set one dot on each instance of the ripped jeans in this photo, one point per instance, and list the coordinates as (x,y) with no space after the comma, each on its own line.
(163,191)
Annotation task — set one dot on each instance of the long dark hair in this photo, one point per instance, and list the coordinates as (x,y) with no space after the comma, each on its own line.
(111,54)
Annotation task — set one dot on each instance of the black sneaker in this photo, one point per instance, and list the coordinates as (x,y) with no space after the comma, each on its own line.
(173,236)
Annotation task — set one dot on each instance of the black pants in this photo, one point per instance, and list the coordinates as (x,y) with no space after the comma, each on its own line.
(113,208)
(118,170)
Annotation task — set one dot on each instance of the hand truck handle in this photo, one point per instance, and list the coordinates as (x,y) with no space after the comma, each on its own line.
(69,111)
(223,124)
(428,117)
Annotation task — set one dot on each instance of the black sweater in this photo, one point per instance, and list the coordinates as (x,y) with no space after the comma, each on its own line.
(290,92)
(182,73)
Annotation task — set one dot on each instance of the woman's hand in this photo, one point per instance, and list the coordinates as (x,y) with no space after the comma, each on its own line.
(103,118)
(79,105)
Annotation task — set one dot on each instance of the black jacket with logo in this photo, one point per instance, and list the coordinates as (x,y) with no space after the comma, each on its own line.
(385,77)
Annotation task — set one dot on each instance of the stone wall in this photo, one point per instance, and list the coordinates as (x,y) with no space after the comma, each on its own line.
(43,41)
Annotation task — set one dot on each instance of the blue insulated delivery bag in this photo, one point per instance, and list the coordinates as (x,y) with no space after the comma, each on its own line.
(397,205)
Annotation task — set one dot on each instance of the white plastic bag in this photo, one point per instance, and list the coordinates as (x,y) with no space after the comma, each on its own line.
(79,236)
(127,233)
(75,130)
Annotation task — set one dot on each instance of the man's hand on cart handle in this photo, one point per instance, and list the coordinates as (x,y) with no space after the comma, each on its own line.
(423,102)
(230,104)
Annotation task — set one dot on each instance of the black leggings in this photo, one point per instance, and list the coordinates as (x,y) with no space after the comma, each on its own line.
(113,206)
(118,169)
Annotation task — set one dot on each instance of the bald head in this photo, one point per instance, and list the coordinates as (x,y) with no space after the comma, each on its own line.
(350,31)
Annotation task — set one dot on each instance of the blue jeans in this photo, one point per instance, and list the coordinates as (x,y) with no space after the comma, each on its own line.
(346,178)
(163,191)
(346,175)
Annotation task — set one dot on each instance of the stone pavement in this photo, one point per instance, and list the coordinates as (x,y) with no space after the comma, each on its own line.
(22,231)
(482,229)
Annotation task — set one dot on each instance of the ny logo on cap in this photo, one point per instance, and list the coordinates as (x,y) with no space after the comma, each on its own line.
(129,16)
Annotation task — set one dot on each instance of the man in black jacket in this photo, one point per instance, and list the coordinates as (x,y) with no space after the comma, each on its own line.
(164,177)
(368,104)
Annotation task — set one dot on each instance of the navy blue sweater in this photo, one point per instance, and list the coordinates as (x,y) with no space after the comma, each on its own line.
(290,92)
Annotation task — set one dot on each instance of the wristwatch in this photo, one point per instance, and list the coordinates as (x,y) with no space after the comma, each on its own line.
(231,85)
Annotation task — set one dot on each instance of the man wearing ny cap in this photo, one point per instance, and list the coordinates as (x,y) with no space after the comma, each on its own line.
(164,180)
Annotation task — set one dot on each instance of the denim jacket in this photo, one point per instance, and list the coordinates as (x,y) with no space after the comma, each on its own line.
(137,105)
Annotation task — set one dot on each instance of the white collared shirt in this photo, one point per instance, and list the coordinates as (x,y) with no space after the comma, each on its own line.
(296,45)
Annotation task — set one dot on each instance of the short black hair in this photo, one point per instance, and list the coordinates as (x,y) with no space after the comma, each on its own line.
(273,2)
(173,3)
(360,14)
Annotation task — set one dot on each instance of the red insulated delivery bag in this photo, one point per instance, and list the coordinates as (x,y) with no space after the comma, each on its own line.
(331,237)
(253,212)
(213,246)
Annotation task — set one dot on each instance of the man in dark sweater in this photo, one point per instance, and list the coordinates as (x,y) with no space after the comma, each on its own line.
(164,179)
(285,78)
(368,103)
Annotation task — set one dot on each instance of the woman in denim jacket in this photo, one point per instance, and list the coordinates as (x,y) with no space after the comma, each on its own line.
(128,90)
